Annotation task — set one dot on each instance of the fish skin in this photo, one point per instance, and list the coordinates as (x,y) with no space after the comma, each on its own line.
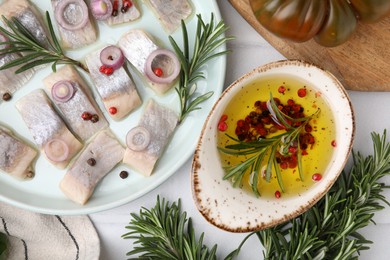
(16,156)
(137,45)
(170,12)
(82,101)
(131,15)
(45,124)
(28,15)
(117,90)
(9,81)
(161,122)
(81,179)
(73,39)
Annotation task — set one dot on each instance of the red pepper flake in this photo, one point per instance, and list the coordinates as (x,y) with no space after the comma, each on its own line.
(222,126)
(158,72)
(316,177)
(106,70)
(113,110)
(277,194)
(302,92)
(304,152)
(282,89)
(223,118)
(86,116)
(126,4)
(333,143)
(115,7)
(308,128)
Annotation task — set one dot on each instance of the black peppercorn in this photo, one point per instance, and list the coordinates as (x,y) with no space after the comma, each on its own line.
(6,96)
(91,161)
(123,174)
(94,118)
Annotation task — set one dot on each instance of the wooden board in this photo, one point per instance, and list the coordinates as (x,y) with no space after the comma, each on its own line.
(362,63)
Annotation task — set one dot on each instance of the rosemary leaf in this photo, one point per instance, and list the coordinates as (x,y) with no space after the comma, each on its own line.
(267,147)
(208,39)
(165,232)
(35,53)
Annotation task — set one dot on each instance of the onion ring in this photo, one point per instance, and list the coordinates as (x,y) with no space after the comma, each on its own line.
(138,138)
(112,56)
(101,9)
(63,18)
(167,61)
(56,150)
(62,91)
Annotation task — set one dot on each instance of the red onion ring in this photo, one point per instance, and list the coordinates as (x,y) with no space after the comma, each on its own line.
(60,14)
(56,150)
(62,91)
(97,9)
(169,64)
(112,56)
(138,138)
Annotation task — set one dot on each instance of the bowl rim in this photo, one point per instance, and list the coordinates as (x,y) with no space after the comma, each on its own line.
(196,164)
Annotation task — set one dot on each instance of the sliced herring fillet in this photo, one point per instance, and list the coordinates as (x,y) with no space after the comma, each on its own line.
(16,156)
(130,15)
(82,101)
(73,39)
(27,15)
(170,12)
(117,90)
(81,179)
(137,45)
(46,125)
(160,122)
(9,81)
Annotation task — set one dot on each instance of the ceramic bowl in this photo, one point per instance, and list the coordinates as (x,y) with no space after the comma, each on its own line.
(236,210)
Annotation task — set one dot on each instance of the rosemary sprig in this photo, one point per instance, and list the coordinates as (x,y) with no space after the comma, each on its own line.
(209,37)
(35,53)
(264,150)
(330,229)
(161,233)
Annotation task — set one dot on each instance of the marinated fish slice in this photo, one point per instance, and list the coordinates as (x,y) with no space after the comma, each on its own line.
(117,90)
(16,157)
(170,12)
(130,15)
(137,45)
(94,162)
(147,141)
(9,81)
(81,101)
(28,15)
(47,127)
(74,24)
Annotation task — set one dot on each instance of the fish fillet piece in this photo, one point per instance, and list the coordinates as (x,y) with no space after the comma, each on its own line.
(137,45)
(16,156)
(160,122)
(28,15)
(82,101)
(73,39)
(9,81)
(170,12)
(116,90)
(130,15)
(46,125)
(81,179)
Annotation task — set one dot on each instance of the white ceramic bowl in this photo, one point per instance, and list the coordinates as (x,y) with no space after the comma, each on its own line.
(235,210)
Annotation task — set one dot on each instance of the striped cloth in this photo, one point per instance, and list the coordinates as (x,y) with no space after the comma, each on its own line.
(34,236)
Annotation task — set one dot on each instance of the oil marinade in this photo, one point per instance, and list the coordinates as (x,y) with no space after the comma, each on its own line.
(323,131)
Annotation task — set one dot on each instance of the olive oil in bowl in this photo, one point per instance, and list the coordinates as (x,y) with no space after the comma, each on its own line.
(247,118)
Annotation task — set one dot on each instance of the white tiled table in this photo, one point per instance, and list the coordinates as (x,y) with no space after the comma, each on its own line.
(249,51)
